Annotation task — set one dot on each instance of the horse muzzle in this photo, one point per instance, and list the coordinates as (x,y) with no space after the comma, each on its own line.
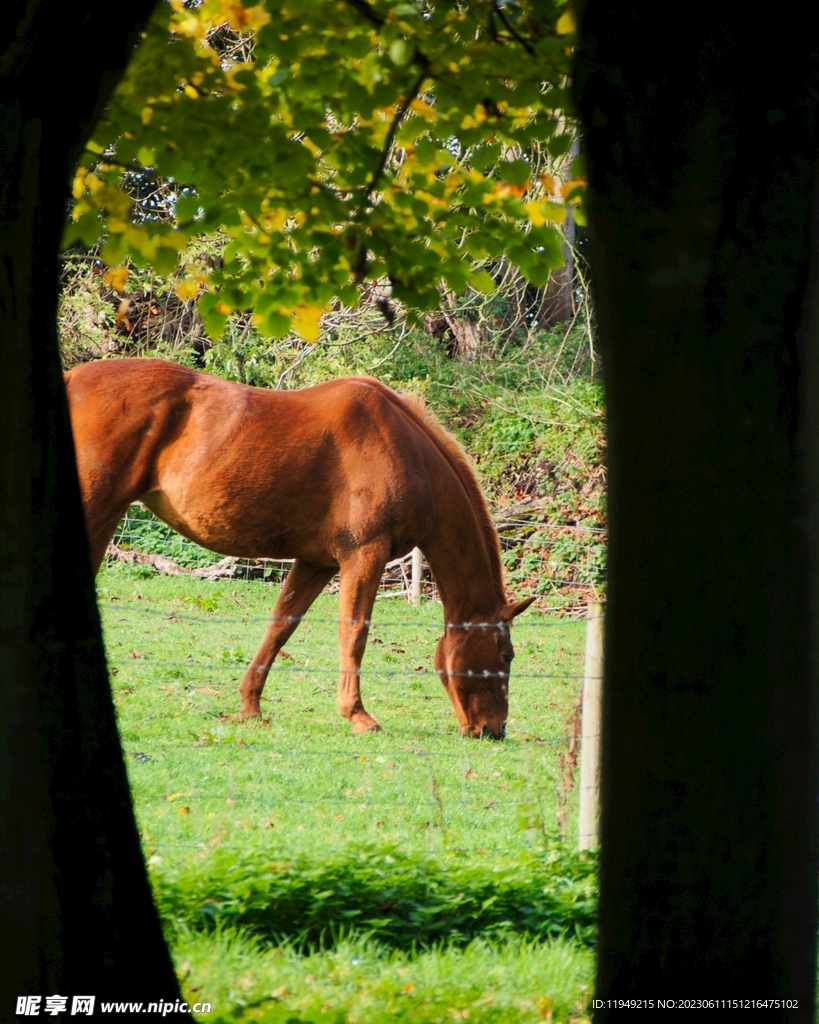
(485,731)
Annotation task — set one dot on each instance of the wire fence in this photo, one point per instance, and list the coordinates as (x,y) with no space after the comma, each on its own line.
(249,786)
(565,563)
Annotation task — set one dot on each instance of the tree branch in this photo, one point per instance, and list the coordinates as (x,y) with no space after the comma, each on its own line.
(400,114)
(511,29)
(366,11)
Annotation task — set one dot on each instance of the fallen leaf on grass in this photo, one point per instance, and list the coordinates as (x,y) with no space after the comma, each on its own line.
(207,689)
(138,654)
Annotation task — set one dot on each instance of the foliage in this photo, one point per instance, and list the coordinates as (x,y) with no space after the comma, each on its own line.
(512,981)
(529,417)
(140,530)
(387,140)
(401,901)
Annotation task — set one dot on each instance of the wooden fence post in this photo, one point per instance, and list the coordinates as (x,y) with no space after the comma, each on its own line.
(588,830)
(417,573)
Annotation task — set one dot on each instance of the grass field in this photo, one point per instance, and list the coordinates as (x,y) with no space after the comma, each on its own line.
(304,873)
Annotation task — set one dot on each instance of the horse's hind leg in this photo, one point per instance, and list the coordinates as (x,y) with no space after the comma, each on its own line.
(303,585)
(98,543)
(360,578)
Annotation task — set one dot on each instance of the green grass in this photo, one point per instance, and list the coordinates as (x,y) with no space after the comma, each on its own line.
(402,901)
(266,840)
(513,982)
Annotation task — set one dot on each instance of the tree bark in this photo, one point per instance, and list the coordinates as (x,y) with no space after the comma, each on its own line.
(75,904)
(703,167)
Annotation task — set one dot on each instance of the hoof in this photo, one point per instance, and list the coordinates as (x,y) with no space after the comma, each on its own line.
(368,726)
(245,716)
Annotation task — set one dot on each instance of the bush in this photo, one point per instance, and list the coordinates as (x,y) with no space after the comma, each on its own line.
(399,901)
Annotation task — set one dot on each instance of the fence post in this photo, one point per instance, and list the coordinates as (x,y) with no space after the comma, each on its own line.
(417,573)
(588,830)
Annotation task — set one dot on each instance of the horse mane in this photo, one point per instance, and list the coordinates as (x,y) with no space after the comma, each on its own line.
(416,408)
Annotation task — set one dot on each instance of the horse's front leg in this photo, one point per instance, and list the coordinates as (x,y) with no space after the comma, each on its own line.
(303,585)
(360,577)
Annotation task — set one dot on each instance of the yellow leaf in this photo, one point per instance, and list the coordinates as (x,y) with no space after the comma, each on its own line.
(184,810)
(242,18)
(272,220)
(573,190)
(122,311)
(191,92)
(539,212)
(255,17)
(78,186)
(187,288)
(423,108)
(534,211)
(146,115)
(116,278)
(223,308)
(566,23)
(305,320)
(176,796)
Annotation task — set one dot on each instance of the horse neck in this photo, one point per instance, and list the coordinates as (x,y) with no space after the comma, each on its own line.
(459,560)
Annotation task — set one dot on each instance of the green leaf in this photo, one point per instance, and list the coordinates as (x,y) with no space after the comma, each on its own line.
(165,259)
(400,52)
(482,281)
(214,322)
(300,123)
(579,214)
(515,172)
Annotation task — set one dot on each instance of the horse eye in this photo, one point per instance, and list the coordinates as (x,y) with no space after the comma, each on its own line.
(508,657)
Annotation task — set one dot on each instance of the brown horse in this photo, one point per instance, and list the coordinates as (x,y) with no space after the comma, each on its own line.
(342,476)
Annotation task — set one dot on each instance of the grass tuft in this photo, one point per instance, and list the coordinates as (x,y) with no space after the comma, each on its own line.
(514,981)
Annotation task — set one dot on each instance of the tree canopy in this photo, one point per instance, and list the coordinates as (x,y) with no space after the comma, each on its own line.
(402,142)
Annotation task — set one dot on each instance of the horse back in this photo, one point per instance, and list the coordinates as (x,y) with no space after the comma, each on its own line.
(247,470)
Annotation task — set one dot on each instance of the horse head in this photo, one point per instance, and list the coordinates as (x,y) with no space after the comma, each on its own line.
(472,661)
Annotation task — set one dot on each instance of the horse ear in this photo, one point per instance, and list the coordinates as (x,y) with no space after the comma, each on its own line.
(509,611)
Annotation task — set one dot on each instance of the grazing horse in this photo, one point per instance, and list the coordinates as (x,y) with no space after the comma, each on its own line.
(343,476)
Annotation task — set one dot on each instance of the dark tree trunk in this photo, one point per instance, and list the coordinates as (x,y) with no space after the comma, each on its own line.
(703,155)
(75,907)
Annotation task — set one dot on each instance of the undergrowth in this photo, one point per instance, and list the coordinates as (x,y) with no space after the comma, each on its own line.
(403,902)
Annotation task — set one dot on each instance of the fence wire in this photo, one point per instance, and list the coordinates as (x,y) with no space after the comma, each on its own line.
(548,558)
(234,802)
